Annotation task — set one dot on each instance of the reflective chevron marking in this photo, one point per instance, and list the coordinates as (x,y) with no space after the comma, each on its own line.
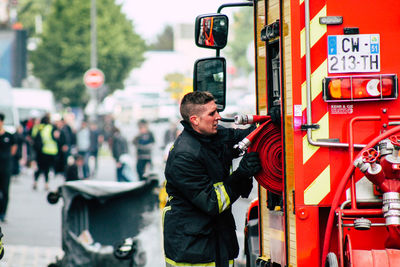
(318,189)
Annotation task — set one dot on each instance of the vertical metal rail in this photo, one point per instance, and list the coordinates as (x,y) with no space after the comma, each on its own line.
(231,5)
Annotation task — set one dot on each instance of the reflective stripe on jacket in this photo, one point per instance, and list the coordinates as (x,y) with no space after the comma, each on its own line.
(171,263)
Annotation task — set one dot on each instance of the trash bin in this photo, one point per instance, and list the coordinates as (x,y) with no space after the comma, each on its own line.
(100,222)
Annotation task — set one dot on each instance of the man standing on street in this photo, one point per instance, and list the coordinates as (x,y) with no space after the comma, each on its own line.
(7,150)
(144,142)
(119,147)
(199,228)
(83,146)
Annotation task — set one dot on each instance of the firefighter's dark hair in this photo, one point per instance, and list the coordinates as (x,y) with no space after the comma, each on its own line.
(192,103)
(2,117)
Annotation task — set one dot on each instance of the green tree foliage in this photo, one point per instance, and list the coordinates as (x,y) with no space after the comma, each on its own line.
(165,40)
(31,12)
(63,54)
(243,35)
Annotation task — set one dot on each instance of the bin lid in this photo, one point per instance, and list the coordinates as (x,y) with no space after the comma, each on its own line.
(102,188)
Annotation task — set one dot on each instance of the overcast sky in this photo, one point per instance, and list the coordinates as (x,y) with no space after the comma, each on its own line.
(150,16)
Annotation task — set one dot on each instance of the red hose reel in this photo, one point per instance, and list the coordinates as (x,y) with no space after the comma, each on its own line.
(266,140)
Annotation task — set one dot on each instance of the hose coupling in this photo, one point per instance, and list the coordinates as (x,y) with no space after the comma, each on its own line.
(242,146)
(243,119)
(359,163)
(391,208)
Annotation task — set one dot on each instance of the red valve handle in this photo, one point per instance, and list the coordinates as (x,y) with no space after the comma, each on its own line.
(370,155)
(395,140)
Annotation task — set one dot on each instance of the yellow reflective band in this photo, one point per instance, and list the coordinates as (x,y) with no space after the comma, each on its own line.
(171,263)
(316,31)
(163,214)
(316,83)
(223,199)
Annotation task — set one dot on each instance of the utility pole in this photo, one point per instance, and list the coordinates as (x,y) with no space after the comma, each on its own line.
(93,31)
(93,54)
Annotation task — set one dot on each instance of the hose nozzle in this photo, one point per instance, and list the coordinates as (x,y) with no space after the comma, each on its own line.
(249,119)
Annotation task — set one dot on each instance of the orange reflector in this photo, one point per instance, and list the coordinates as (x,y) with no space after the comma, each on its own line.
(360,88)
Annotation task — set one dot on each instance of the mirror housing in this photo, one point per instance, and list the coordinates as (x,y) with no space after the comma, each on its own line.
(211,31)
(210,75)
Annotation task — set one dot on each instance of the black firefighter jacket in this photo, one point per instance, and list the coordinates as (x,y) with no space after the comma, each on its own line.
(198,223)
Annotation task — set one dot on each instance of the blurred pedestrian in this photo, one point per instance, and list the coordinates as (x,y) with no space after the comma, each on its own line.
(61,158)
(74,171)
(170,134)
(83,146)
(32,129)
(119,147)
(7,150)
(96,139)
(126,173)
(45,143)
(69,130)
(144,142)
(69,139)
(19,140)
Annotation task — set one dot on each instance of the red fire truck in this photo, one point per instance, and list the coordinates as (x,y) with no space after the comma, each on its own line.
(328,135)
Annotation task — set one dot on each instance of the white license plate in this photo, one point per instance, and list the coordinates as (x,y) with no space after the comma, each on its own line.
(353,53)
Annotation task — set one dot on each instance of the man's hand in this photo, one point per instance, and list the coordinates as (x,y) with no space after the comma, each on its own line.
(246,186)
(249,165)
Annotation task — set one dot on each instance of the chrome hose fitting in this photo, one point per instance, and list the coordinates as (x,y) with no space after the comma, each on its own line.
(391,208)
(242,146)
(362,224)
(359,163)
(243,119)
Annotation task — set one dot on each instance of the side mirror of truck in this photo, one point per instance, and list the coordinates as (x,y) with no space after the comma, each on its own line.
(211,31)
(210,75)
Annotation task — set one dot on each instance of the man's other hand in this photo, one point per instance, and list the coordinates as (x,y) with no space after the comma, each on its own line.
(249,165)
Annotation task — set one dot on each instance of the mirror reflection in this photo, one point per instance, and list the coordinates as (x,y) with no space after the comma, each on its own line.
(210,75)
(212,31)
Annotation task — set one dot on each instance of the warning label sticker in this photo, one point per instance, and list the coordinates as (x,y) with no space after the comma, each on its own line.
(298,111)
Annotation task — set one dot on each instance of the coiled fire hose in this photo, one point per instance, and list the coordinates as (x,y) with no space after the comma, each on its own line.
(266,140)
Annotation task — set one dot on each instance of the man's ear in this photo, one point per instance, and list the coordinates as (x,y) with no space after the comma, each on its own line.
(194,120)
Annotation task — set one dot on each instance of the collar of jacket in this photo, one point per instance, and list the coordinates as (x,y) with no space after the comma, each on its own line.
(203,138)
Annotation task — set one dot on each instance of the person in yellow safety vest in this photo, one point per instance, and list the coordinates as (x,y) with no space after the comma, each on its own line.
(45,143)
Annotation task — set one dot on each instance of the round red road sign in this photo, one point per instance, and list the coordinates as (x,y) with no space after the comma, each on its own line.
(93,78)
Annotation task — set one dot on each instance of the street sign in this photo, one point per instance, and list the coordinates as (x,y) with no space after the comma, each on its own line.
(93,78)
(353,53)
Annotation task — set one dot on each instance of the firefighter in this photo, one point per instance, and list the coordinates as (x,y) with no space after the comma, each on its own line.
(199,228)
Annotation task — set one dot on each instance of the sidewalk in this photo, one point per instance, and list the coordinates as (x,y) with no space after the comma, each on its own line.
(29,256)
